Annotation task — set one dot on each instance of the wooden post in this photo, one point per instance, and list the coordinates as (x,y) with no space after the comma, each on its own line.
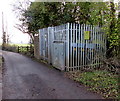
(18,49)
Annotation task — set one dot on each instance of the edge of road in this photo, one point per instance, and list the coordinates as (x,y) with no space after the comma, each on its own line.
(1,64)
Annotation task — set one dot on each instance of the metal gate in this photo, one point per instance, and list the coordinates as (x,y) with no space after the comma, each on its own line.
(59,46)
(86,45)
(72,46)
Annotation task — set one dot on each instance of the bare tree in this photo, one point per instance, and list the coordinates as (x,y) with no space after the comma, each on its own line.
(19,8)
(4,33)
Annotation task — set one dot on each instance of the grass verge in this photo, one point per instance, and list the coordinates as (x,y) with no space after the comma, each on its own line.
(19,44)
(99,81)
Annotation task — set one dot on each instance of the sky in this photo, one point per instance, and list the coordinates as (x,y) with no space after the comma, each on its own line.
(10,20)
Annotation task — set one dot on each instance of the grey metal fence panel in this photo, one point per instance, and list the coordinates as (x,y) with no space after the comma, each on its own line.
(50,43)
(43,36)
(72,46)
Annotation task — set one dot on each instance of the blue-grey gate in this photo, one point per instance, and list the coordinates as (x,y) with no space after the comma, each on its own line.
(72,46)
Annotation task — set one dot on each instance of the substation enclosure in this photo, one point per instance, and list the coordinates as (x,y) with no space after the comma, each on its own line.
(72,46)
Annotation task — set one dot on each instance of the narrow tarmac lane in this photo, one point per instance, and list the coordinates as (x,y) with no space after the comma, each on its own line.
(24,78)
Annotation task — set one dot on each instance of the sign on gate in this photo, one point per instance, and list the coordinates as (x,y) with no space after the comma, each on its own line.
(86,35)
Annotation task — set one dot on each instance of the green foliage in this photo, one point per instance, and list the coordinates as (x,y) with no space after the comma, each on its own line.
(112,30)
(45,14)
(102,82)
(40,15)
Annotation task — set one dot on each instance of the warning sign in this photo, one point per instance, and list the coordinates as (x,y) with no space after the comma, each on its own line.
(86,35)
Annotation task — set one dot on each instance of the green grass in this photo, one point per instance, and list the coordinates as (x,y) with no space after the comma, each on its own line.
(20,44)
(100,81)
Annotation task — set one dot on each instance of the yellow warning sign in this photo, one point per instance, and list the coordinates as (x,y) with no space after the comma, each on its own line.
(86,35)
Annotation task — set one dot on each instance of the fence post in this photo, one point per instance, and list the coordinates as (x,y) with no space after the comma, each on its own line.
(27,48)
(18,49)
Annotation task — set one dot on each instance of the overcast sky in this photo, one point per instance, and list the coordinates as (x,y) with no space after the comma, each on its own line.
(10,19)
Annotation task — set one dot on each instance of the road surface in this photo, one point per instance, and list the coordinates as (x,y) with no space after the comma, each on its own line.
(24,78)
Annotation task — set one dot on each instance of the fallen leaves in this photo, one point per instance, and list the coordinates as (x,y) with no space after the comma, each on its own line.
(99,81)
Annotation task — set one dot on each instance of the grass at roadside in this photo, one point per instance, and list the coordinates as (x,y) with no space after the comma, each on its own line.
(99,81)
(19,44)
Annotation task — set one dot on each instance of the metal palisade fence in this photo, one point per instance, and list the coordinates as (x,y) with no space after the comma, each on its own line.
(72,46)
